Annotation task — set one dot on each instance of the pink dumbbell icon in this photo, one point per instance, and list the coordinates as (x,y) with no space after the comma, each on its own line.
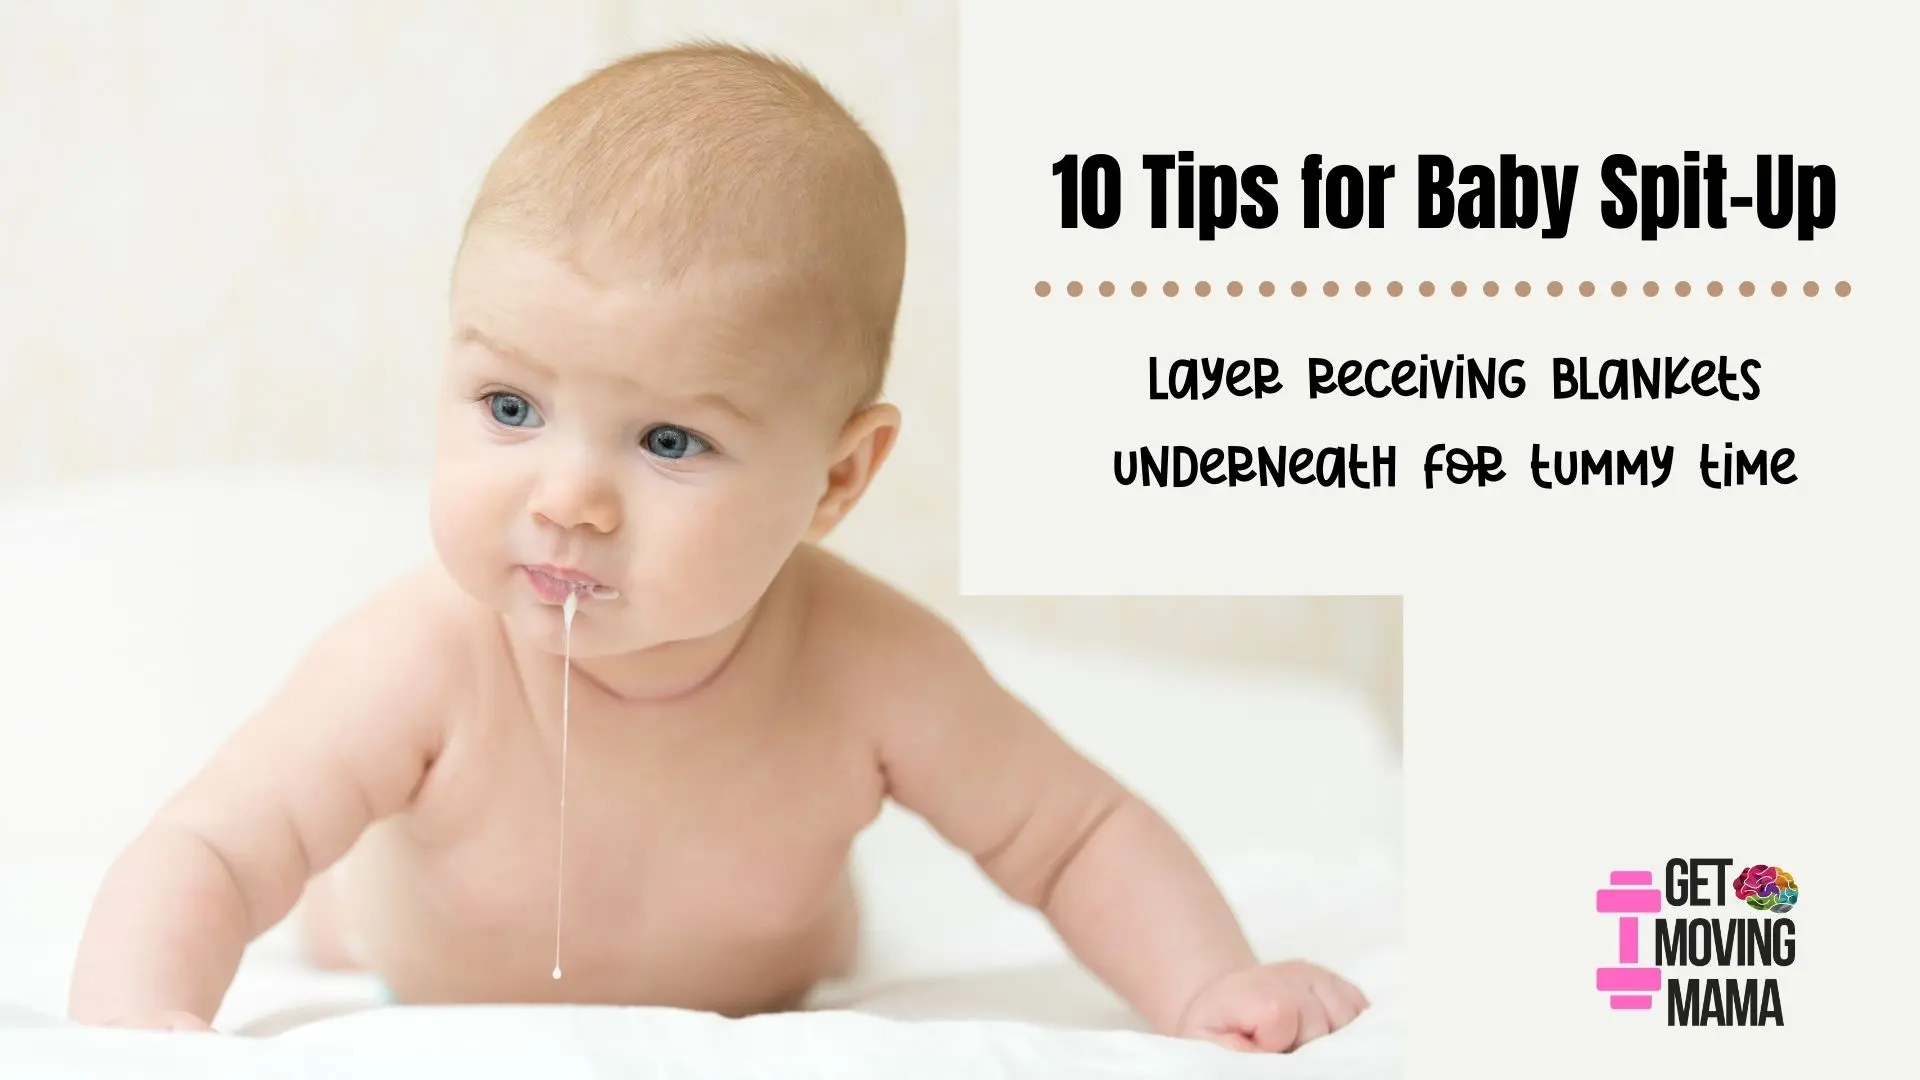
(1630,985)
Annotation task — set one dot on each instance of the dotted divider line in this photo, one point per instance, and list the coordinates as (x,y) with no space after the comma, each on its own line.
(1428,288)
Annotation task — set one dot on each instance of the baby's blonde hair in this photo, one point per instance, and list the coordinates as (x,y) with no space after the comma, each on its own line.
(706,153)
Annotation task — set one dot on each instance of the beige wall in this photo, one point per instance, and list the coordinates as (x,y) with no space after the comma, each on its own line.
(228,225)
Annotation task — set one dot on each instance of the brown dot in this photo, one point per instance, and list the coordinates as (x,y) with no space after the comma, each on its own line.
(1073,288)
(1681,288)
(1746,288)
(1299,288)
(1266,288)
(1201,288)
(1714,288)
(1106,288)
(1361,288)
(1586,288)
(1331,288)
(1779,288)
(1553,288)
(1521,288)
(1811,288)
(1491,288)
(1619,288)
(1171,288)
(1459,288)
(1651,288)
(1041,288)
(1139,288)
(1842,288)
(1393,288)
(1426,288)
(1233,288)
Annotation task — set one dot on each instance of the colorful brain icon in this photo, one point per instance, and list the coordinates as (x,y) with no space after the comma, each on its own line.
(1767,888)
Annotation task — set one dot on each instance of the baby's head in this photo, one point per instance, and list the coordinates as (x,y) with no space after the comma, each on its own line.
(672,315)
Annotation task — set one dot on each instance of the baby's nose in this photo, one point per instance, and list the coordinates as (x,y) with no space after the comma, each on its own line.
(576,497)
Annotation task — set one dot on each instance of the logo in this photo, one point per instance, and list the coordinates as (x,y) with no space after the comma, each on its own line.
(1767,888)
(1745,944)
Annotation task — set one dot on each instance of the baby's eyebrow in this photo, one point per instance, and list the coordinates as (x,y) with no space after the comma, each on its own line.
(713,399)
(702,398)
(699,387)
(470,334)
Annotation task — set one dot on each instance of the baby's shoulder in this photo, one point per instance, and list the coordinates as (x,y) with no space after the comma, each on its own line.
(876,637)
(845,604)
(419,622)
(393,666)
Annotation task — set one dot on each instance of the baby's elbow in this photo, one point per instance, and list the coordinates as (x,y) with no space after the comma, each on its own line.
(1031,865)
(256,882)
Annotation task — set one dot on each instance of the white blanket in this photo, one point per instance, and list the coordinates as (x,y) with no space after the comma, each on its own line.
(1045,1019)
(555,1043)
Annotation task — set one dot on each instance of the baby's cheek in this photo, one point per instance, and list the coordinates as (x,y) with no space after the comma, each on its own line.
(444,519)
(719,563)
(466,525)
(709,575)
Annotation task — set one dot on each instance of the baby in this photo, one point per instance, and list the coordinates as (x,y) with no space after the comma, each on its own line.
(672,313)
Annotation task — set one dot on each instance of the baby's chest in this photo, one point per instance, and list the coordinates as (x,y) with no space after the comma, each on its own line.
(747,840)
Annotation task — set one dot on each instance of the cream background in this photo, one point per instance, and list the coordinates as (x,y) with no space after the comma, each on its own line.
(227,228)
(1596,679)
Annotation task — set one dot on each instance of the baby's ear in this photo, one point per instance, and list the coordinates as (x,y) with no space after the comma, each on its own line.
(864,444)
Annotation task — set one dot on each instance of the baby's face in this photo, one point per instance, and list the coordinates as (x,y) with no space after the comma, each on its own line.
(669,442)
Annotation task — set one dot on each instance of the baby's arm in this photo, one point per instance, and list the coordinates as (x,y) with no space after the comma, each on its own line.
(1124,891)
(344,742)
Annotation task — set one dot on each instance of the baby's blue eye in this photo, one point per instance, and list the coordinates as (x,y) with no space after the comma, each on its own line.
(513,410)
(672,442)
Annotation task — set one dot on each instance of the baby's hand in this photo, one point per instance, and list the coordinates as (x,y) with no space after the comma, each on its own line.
(164,1020)
(1274,1008)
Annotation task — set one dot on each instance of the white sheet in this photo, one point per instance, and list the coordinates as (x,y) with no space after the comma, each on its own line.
(560,1043)
(1047,1018)
(1283,786)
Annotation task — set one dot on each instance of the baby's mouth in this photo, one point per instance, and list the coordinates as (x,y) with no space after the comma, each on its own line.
(555,584)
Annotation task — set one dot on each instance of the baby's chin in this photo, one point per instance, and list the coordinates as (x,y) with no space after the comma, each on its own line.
(596,633)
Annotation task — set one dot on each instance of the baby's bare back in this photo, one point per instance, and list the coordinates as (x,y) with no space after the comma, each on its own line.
(706,840)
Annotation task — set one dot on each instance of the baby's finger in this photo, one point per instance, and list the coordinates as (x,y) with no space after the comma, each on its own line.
(1310,1021)
(1351,994)
(1359,997)
(1341,1008)
(1285,1025)
(1232,1040)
